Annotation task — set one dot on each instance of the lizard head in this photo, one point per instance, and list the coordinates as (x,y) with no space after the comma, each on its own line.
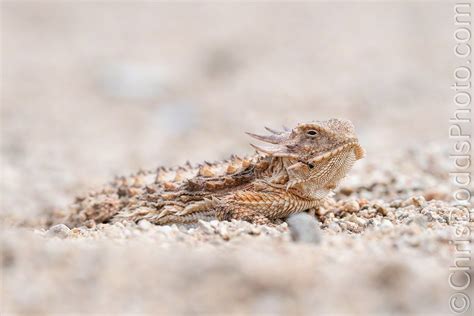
(320,153)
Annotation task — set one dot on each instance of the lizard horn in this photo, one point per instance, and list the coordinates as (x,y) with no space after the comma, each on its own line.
(265,150)
(273,131)
(272,139)
(275,151)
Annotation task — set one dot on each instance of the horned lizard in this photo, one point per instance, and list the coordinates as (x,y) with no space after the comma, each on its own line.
(292,173)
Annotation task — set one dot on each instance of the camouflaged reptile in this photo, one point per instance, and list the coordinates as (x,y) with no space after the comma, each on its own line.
(292,172)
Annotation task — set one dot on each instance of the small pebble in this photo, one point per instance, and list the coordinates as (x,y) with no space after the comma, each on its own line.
(386,224)
(351,206)
(419,220)
(417,201)
(396,203)
(335,227)
(381,209)
(223,232)
(119,225)
(60,230)
(346,190)
(357,220)
(206,227)
(304,228)
(255,230)
(363,202)
(144,224)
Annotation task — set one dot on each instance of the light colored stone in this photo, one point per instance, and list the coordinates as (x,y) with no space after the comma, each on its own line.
(386,224)
(351,206)
(144,225)
(59,230)
(304,228)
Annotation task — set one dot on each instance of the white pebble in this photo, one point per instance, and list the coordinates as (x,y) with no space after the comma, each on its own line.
(144,224)
(60,230)
(386,224)
(304,228)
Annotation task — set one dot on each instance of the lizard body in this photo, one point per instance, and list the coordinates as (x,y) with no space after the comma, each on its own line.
(293,172)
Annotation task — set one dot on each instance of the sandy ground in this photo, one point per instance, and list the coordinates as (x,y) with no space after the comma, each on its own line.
(91,90)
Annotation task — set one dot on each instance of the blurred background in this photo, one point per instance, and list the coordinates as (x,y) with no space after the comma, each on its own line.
(96,89)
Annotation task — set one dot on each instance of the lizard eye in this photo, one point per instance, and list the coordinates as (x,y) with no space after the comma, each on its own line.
(311,133)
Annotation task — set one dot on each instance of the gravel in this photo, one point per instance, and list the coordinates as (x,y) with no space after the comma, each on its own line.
(356,255)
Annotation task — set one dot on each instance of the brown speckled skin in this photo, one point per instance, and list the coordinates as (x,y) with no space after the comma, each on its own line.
(292,173)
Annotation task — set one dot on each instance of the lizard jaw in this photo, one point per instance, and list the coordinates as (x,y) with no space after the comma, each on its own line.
(305,175)
(359,152)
